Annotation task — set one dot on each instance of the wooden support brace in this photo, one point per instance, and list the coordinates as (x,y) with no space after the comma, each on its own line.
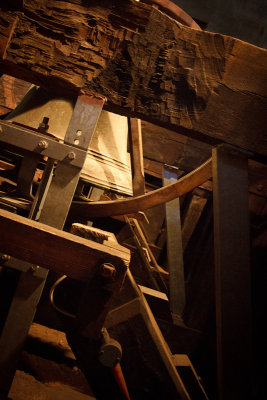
(136,147)
(174,250)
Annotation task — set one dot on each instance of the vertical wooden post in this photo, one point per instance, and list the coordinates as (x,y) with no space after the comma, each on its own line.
(136,145)
(174,249)
(232,272)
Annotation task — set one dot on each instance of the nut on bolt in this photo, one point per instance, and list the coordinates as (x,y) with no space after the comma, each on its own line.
(71,155)
(107,270)
(43,144)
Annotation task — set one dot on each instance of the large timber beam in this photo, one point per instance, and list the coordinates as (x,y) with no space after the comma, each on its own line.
(209,86)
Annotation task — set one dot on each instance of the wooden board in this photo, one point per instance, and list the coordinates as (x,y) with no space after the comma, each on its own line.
(55,249)
(209,86)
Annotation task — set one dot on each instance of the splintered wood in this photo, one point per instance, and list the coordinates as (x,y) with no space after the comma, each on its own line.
(209,86)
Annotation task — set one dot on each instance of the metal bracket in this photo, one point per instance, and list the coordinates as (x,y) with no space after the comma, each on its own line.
(51,206)
(42,144)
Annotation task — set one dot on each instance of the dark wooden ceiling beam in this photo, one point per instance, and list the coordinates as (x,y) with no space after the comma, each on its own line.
(205,85)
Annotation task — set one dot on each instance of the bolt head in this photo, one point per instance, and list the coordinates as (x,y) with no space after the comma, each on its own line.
(71,155)
(43,144)
(107,270)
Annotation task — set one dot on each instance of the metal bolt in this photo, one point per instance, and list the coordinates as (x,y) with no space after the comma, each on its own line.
(43,127)
(5,257)
(43,144)
(71,155)
(107,270)
(35,268)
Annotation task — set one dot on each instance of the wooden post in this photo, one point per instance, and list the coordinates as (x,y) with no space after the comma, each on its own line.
(135,136)
(232,272)
(174,249)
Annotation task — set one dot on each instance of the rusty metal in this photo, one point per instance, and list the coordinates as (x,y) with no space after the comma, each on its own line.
(40,143)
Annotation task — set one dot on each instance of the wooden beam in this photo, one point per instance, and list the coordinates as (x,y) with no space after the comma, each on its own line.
(209,86)
(148,200)
(52,248)
(137,162)
(232,273)
(174,250)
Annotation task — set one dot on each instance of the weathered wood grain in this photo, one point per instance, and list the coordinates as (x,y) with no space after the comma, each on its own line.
(209,86)
(12,91)
(60,251)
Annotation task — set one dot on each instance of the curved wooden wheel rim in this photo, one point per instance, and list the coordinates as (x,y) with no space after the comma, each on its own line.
(148,200)
(174,11)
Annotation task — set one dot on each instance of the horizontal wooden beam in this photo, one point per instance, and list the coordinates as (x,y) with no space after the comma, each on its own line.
(60,251)
(205,85)
(143,202)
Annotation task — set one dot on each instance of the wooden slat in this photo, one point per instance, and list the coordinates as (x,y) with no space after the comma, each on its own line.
(174,250)
(136,148)
(209,86)
(55,249)
(194,212)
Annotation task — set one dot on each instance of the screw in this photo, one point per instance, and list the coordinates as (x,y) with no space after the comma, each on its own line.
(5,257)
(107,270)
(71,155)
(35,268)
(43,144)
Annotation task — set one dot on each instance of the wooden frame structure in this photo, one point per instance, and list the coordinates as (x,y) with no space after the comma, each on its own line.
(213,75)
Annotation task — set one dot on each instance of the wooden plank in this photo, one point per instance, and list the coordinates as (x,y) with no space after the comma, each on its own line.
(174,250)
(137,162)
(232,273)
(12,91)
(157,197)
(52,248)
(146,64)
(196,206)
(191,380)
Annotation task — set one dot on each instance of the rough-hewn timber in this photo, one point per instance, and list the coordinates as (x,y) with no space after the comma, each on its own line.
(206,85)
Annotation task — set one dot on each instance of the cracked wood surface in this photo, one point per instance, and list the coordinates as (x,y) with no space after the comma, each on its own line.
(204,85)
